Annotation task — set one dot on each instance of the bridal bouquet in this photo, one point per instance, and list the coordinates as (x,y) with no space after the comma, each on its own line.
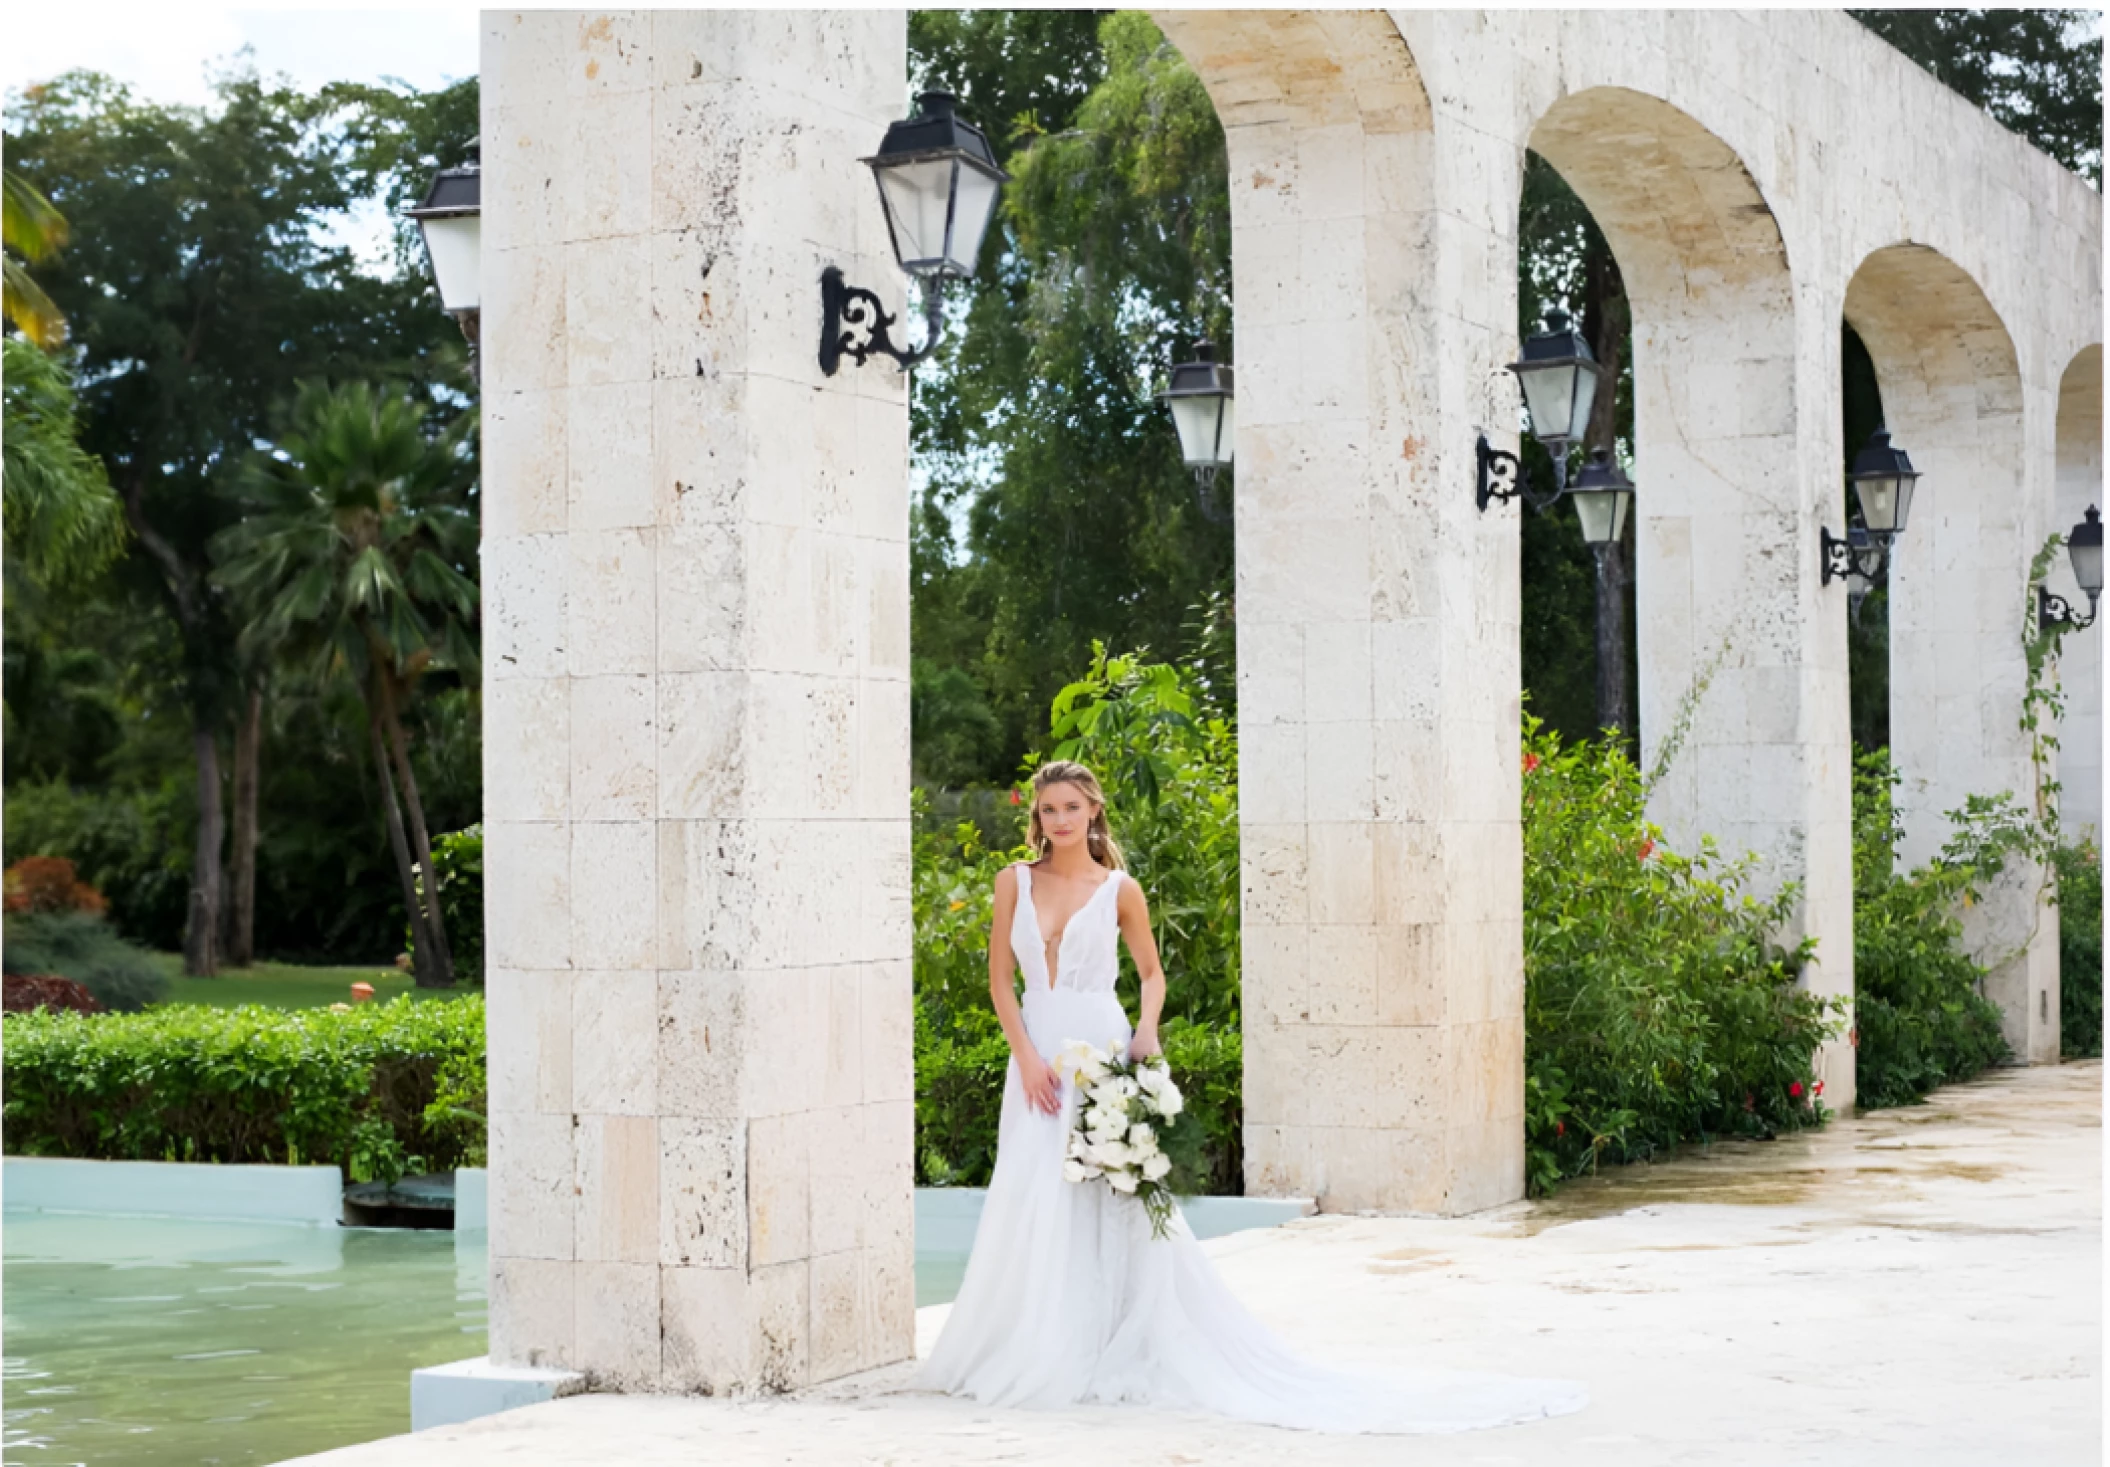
(1122,1105)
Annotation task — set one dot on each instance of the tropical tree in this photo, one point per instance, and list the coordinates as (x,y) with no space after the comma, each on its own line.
(34,230)
(62,521)
(202,280)
(355,562)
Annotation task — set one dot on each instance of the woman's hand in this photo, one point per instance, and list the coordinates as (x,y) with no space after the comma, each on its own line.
(1043,1087)
(1145,1042)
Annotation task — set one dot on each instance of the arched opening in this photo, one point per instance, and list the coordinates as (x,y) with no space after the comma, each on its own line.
(1951,387)
(1952,397)
(2080,485)
(1718,512)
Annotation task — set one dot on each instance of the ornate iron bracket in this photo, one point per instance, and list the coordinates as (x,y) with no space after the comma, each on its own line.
(854,324)
(1501,478)
(2055,611)
(1840,559)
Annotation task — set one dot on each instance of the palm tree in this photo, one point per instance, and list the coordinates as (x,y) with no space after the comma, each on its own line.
(33,229)
(355,563)
(63,521)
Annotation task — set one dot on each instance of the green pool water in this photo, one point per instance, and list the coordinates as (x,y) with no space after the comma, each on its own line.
(165,1342)
(158,1342)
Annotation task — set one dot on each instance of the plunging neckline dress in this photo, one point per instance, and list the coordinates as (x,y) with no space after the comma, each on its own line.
(1068,1299)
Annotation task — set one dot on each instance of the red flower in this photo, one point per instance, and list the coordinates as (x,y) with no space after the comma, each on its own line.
(1750,1101)
(1531,762)
(1648,847)
(1819,1089)
(1853,1037)
(1014,797)
(1795,1090)
(1560,1128)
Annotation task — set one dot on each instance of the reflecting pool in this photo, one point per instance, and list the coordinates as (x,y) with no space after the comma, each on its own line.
(170,1342)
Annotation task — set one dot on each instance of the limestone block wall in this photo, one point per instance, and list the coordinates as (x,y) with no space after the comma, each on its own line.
(696,716)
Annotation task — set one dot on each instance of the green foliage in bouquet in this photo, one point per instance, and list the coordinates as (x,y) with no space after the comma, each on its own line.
(1920,1015)
(355,1086)
(1657,1008)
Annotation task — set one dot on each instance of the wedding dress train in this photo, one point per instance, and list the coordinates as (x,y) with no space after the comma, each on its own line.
(1068,1298)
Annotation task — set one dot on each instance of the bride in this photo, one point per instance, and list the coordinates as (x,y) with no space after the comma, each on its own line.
(1067,1297)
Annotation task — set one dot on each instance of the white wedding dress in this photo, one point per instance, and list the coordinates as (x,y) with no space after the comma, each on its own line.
(1068,1298)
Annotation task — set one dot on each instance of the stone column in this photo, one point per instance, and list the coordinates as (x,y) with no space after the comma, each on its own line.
(1377,626)
(696,707)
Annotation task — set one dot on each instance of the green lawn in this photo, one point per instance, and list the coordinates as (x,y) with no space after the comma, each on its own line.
(291,985)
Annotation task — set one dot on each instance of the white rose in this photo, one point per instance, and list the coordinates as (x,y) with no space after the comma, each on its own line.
(1109,1154)
(1127,1088)
(1152,1078)
(1170,1104)
(1142,1138)
(1073,1170)
(1156,1167)
(1122,1182)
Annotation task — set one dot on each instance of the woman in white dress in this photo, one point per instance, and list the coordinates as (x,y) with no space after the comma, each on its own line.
(1067,1297)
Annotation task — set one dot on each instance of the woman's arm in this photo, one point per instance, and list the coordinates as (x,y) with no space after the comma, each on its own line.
(1134,913)
(1042,1091)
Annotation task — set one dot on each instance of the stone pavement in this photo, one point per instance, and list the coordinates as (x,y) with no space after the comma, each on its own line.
(1919,1286)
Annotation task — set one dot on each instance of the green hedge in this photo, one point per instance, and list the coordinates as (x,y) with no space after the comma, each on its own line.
(379,1089)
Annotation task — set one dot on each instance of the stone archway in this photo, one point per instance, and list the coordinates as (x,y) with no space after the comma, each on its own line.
(2080,485)
(1953,398)
(1726,577)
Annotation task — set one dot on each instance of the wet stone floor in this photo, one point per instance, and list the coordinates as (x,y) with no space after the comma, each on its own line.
(1919,1286)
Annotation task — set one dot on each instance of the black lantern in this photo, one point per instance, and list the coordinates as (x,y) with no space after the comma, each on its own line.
(1202,404)
(2084,548)
(1883,477)
(450,219)
(1559,375)
(938,181)
(1858,581)
(1603,498)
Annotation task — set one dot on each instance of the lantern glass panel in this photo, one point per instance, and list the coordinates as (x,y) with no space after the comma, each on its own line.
(1880,503)
(1549,393)
(1199,420)
(1226,437)
(1585,400)
(971,214)
(455,244)
(2087,567)
(918,199)
(1602,513)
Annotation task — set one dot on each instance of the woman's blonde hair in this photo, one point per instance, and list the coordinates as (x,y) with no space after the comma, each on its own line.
(1098,837)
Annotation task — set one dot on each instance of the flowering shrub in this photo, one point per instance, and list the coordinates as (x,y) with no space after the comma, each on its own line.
(1921,1016)
(1656,1006)
(2080,869)
(48,884)
(82,946)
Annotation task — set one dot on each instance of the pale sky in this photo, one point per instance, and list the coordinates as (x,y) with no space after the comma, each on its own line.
(164,50)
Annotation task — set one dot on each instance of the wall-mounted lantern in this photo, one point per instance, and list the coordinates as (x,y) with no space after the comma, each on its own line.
(938,181)
(1883,479)
(450,219)
(1560,377)
(1202,402)
(1604,497)
(2084,548)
